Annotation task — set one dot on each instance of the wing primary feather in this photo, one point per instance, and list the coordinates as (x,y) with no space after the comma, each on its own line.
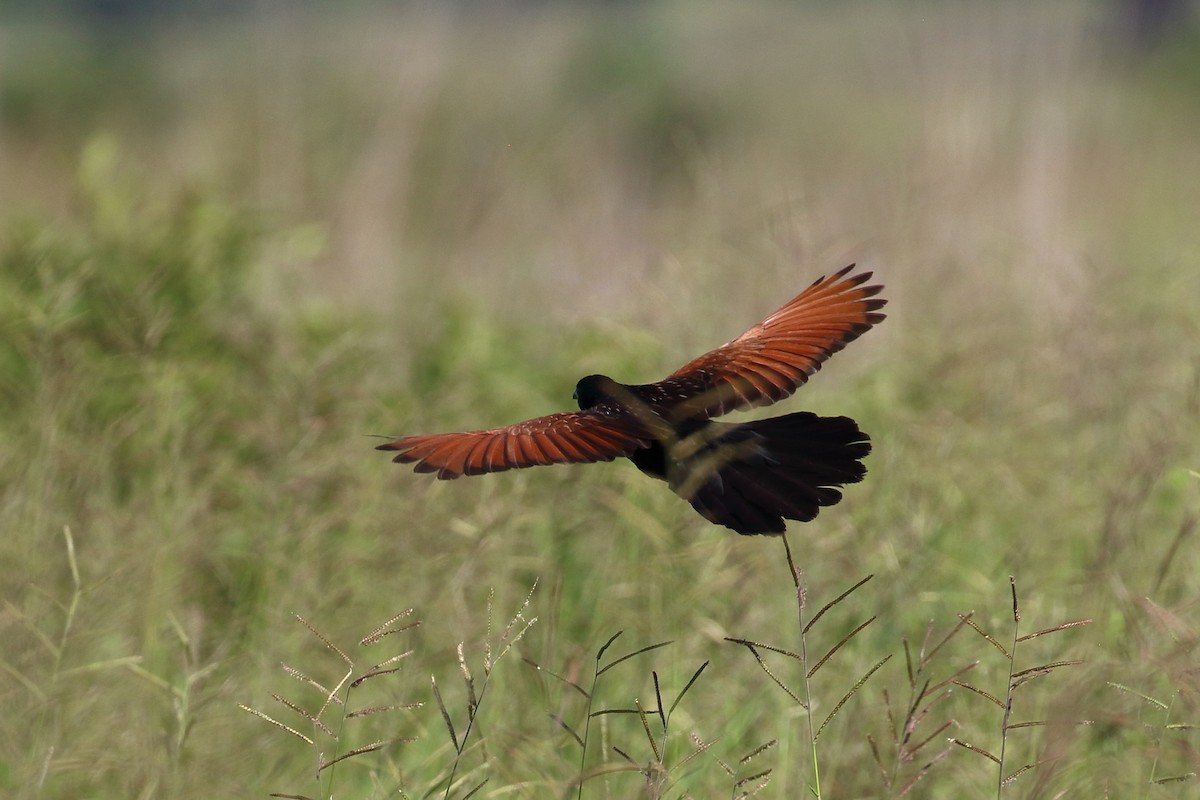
(493,457)
(573,446)
(595,443)
(473,457)
(550,445)
(775,357)
(535,451)
(454,457)
(511,456)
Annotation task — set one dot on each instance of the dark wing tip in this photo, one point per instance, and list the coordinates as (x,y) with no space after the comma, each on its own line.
(841,273)
(404,456)
(853,282)
(868,296)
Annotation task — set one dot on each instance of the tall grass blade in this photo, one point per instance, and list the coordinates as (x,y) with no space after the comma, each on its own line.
(358,751)
(1187,776)
(324,640)
(477,787)
(437,694)
(300,676)
(472,699)
(841,643)
(922,772)
(834,602)
(1145,697)
(628,656)
(386,628)
(975,627)
(975,749)
(1046,669)
(763,665)
(912,751)
(916,717)
(641,712)
(981,692)
(371,710)
(963,620)
(625,756)
(853,690)
(1044,723)
(556,676)
(305,713)
(762,748)
(562,723)
(691,681)
(604,647)
(874,747)
(662,716)
(1055,629)
(1007,781)
(768,647)
(750,779)
(953,679)
(277,724)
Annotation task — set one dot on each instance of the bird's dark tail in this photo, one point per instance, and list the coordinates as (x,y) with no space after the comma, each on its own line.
(752,476)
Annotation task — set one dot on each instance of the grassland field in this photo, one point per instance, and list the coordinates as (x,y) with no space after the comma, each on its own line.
(232,248)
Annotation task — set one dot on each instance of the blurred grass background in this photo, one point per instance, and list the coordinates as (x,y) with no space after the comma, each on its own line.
(236,241)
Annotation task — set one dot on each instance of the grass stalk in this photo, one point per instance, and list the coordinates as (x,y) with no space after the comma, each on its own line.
(798,584)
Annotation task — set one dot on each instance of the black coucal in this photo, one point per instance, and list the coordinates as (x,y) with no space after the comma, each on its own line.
(747,476)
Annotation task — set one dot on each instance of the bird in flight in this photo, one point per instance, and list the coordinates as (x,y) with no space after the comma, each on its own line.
(749,476)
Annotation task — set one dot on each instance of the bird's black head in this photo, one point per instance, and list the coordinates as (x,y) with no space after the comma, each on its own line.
(594,389)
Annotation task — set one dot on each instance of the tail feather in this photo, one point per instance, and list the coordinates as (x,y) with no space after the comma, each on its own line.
(794,470)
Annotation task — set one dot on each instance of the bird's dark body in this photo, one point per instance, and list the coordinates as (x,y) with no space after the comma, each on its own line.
(751,476)
(664,397)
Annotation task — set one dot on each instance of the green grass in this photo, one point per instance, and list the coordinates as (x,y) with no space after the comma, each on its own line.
(282,237)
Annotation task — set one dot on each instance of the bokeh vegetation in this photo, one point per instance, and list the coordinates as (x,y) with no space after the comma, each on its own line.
(235,245)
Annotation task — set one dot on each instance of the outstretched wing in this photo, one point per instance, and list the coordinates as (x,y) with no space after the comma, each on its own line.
(600,433)
(774,358)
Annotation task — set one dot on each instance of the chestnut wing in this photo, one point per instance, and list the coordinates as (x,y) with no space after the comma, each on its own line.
(600,433)
(774,358)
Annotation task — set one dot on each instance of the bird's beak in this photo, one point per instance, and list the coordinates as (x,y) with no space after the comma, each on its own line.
(575,395)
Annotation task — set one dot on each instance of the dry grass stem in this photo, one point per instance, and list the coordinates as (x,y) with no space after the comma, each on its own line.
(627,656)
(437,694)
(1055,629)
(816,617)
(840,644)
(767,669)
(387,629)
(923,771)
(316,722)
(853,690)
(324,640)
(981,692)
(277,724)
(987,636)
(975,749)
(358,751)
